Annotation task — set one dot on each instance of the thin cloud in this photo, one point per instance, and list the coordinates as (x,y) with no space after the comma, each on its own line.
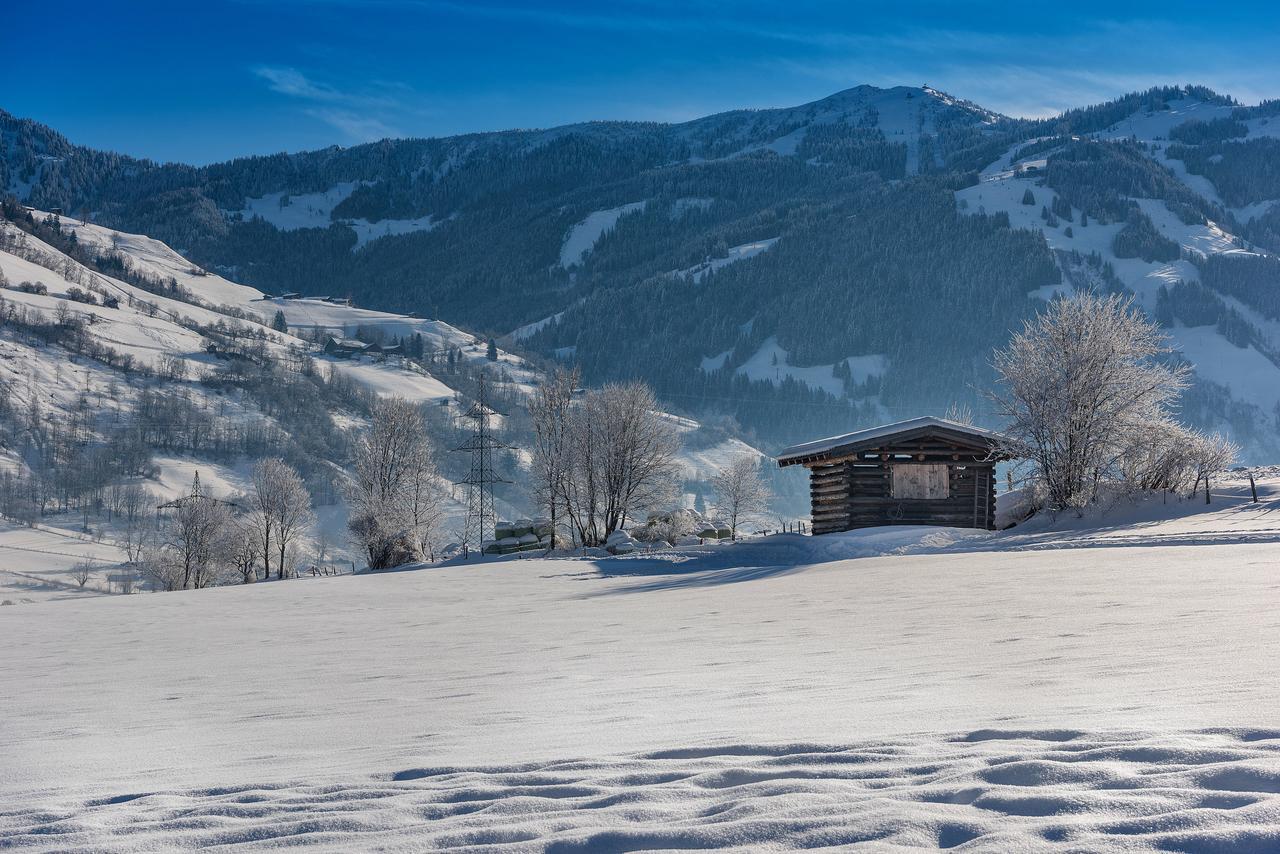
(361,116)
(357,127)
(295,84)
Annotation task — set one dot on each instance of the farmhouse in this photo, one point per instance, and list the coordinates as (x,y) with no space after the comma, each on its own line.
(925,471)
(345,348)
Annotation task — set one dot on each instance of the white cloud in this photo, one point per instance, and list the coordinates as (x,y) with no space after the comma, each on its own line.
(361,116)
(292,82)
(359,128)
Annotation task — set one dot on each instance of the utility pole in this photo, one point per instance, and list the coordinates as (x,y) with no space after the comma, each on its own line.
(481,515)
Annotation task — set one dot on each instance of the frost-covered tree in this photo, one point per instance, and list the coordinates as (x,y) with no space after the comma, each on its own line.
(241,548)
(1083,386)
(395,496)
(188,555)
(623,459)
(740,489)
(550,410)
(279,323)
(282,511)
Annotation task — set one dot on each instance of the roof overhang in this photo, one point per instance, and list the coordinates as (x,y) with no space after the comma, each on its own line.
(992,445)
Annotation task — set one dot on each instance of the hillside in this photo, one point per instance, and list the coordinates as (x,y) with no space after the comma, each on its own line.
(1071,687)
(702,256)
(116,389)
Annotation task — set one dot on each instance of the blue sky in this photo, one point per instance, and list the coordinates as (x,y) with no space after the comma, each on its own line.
(206,81)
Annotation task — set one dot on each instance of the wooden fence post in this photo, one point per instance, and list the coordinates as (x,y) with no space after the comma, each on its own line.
(1253,487)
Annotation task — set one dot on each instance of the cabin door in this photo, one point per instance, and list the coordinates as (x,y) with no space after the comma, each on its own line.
(929,481)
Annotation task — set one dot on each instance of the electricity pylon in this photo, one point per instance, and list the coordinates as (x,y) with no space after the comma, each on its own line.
(481,515)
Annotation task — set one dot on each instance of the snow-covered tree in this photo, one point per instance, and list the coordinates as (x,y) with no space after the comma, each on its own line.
(1084,386)
(395,497)
(622,459)
(550,409)
(740,489)
(188,555)
(241,547)
(282,509)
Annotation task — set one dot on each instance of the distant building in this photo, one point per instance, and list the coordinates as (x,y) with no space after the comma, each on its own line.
(345,348)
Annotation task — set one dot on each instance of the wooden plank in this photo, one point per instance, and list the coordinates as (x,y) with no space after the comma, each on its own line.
(928,481)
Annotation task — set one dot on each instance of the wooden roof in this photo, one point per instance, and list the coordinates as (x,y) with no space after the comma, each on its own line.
(875,438)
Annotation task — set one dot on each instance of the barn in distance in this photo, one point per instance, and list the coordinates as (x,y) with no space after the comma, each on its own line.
(925,471)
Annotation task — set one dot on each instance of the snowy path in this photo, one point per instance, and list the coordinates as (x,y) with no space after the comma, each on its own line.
(744,697)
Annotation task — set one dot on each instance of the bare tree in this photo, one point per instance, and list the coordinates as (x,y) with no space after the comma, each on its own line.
(280,511)
(395,496)
(740,489)
(188,555)
(241,547)
(1083,385)
(262,516)
(282,505)
(83,572)
(550,411)
(622,459)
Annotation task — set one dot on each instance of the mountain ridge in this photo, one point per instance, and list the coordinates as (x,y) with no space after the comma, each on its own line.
(694,254)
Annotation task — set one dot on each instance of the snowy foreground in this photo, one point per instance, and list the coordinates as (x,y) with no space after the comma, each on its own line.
(996,692)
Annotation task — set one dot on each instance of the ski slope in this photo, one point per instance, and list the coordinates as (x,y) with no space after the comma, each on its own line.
(891,686)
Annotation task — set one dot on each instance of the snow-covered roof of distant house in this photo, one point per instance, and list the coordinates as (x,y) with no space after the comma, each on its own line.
(903,429)
(350,343)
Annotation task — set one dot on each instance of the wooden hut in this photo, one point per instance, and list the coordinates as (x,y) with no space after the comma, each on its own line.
(926,471)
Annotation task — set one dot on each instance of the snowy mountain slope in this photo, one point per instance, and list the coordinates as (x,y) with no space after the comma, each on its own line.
(1154,129)
(148,334)
(857,189)
(903,114)
(305,317)
(290,212)
(920,699)
(580,239)
(1251,372)
(733,255)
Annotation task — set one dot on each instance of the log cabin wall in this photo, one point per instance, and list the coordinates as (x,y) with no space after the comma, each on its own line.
(849,495)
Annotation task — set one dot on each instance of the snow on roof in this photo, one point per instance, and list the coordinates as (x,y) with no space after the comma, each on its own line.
(350,343)
(821,446)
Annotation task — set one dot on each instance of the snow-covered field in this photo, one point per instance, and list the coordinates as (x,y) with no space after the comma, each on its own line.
(36,564)
(901,687)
